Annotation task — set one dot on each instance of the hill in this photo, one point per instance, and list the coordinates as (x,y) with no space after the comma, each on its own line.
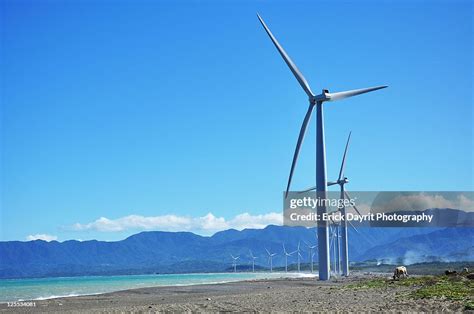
(168,252)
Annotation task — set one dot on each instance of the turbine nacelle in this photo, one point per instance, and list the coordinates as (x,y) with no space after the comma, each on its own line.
(343,181)
(340,182)
(324,96)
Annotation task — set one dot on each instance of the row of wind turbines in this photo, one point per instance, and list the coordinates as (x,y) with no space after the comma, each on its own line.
(339,259)
(285,253)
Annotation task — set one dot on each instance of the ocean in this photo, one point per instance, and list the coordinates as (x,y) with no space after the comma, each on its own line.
(47,288)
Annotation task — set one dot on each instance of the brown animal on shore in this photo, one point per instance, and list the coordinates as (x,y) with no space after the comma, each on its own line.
(399,272)
(450,272)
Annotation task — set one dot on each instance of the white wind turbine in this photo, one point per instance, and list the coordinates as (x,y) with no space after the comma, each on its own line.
(234,263)
(286,257)
(253,260)
(299,255)
(315,101)
(311,254)
(270,259)
(335,244)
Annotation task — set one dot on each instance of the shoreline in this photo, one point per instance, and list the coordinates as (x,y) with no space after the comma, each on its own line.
(279,275)
(269,295)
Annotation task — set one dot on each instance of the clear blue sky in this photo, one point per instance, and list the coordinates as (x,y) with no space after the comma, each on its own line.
(151,108)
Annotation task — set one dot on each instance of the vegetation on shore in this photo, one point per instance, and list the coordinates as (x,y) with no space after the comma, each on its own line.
(428,268)
(456,287)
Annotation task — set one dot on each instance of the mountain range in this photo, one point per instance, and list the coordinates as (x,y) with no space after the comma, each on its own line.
(174,252)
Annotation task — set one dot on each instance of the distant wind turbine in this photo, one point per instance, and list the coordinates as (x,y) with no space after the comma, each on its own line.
(270,259)
(253,260)
(298,255)
(321,179)
(311,254)
(235,262)
(286,257)
(335,241)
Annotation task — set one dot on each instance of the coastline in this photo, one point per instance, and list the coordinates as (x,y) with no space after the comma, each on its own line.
(289,294)
(65,287)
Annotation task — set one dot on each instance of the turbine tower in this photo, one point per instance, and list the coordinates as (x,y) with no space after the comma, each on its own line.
(299,255)
(335,244)
(311,254)
(270,259)
(286,257)
(321,179)
(234,263)
(253,260)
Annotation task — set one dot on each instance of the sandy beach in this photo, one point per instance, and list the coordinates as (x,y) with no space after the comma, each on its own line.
(302,295)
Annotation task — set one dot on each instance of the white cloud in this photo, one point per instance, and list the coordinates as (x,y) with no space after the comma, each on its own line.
(246,220)
(45,237)
(204,225)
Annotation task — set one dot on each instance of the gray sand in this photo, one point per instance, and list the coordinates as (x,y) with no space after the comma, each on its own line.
(259,295)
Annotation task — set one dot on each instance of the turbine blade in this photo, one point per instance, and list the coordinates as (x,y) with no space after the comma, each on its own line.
(355,208)
(304,126)
(331,183)
(341,171)
(267,251)
(296,72)
(350,93)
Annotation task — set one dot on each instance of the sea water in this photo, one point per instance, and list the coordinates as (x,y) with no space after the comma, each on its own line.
(47,288)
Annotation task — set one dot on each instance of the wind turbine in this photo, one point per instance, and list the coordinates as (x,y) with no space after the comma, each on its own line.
(270,259)
(299,255)
(311,254)
(342,181)
(235,262)
(335,244)
(253,260)
(321,179)
(286,257)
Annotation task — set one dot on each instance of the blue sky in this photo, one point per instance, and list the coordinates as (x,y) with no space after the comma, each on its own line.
(185,108)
